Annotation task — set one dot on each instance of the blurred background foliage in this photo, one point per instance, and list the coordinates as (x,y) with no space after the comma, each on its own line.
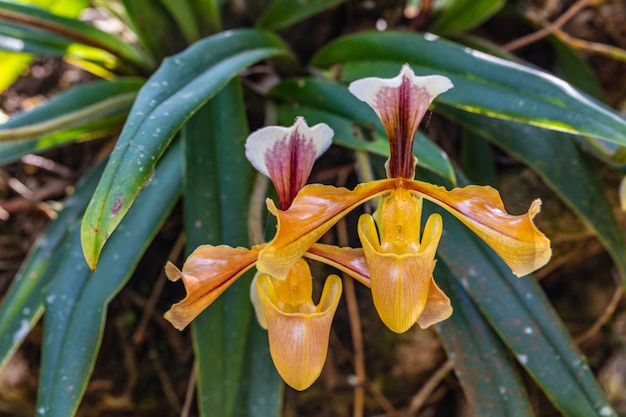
(122,147)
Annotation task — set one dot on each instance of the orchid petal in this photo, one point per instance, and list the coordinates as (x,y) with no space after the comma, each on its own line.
(313,212)
(286,155)
(257,305)
(514,238)
(207,273)
(400,282)
(298,334)
(348,260)
(400,103)
(438,307)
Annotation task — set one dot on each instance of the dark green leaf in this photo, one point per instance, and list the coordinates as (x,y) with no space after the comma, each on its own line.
(183,14)
(179,87)
(522,315)
(76,299)
(236,374)
(208,15)
(482,363)
(283,13)
(573,68)
(483,83)
(74,108)
(144,16)
(85,112)
(321,101)
(462,15)
(11,151)
(477,160)
(23,302)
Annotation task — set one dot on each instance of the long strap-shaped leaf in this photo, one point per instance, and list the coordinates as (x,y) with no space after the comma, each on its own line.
(178,89)
(76,107)
(483,83)
(482,363)
(521,314)
(23,303)
(76,300)
(235,372)
(82,113)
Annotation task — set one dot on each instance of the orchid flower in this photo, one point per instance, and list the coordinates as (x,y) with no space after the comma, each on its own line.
(400,263)
(397,258)
(298,330)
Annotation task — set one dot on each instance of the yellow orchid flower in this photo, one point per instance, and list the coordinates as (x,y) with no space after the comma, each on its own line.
(298,330)
(399,263)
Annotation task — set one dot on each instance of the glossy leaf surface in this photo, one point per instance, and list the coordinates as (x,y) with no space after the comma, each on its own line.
(523,317)
(74,108)
(484,84)
(76,299)
(482,363)
(23,303)
(181,85)
(281,13)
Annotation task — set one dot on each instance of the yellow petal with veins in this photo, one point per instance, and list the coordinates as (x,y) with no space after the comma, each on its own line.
(515,238)
(313,212)
(348,260)
(319,207)
(207,273)
(298,333)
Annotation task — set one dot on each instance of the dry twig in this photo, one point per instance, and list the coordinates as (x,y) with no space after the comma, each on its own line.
(550,28)
(422,395)
(606,314)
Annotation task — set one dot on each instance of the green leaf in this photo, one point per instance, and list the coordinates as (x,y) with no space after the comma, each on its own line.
(184,15)
(482,363)
(83,113)
(146,15)
(521,314)
(477,159)
(76,300)
(23,302)
(283,13)
(573,68)
(462,15)
(208,15)
(33,29)
(236,374)
(12,66)
(320,101)
(555,157)
(11,151)
(484,84)
(66,8)
(77,107)
(178,89)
